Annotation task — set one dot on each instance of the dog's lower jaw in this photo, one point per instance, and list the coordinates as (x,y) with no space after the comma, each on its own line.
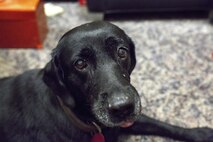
(105,120)
(126,124)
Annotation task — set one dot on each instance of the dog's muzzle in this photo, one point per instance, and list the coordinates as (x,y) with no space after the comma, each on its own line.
(119,108)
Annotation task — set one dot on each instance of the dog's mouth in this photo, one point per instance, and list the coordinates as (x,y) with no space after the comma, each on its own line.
(108,122)
(126,123)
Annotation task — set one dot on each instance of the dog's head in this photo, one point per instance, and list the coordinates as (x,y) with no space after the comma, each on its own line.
(90,70)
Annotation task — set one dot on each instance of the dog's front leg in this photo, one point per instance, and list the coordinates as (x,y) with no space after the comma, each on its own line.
(148,126)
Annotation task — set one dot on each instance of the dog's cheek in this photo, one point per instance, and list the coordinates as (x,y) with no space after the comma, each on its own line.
(75,80)
(126,64)
(100,113)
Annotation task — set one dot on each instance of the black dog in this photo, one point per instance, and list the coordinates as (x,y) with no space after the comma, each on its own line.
(84,88)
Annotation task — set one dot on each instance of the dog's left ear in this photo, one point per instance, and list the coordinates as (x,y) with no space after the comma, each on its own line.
(132,54)
(54,78)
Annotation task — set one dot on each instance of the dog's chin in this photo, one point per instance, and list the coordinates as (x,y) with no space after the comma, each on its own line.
(123,124)
(126,123)
(107,121)
(104,119)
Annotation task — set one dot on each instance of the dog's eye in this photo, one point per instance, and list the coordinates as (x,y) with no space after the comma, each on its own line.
(122,52)
(80,64)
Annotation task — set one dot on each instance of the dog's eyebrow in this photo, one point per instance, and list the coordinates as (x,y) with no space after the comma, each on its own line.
(113,41)
(87,52)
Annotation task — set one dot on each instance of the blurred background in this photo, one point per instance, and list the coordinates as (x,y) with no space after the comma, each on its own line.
(174,46)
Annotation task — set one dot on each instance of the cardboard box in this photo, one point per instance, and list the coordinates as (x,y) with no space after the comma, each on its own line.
(22,24)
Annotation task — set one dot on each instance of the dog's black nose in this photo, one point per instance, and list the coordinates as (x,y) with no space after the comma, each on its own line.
(121,107)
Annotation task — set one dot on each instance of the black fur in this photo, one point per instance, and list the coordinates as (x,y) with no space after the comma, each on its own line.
(90,71)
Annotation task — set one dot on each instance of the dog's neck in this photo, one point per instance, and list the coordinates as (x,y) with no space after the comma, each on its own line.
(93,127)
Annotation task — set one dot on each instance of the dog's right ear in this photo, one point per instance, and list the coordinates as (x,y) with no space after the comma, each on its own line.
(54,78)
(51,76)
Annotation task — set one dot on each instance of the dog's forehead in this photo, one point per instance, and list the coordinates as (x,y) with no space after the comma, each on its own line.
(93,36)
(93,31)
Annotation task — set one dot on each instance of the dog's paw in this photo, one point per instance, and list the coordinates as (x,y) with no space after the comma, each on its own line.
(203,134)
